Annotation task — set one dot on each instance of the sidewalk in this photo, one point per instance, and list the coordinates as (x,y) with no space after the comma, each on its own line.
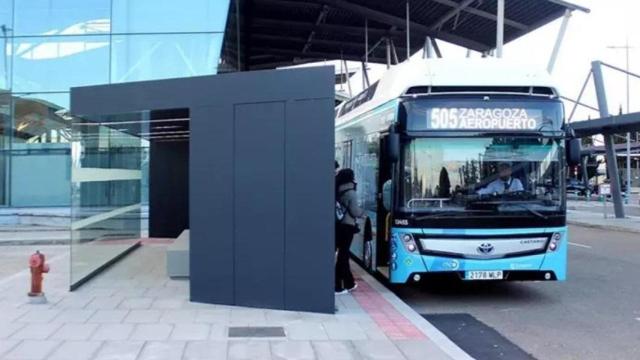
(597,220)
(133,311)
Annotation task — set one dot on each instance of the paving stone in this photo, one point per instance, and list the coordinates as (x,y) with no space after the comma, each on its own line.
(247,317)
(39,316)
(165,350)
(74,332)
(306,331)
(6,345)
(73,316)
(149,332)
(421,349)
(191,332)
(75,302)
(344,331)
(218,332)
(249,350)
(334,350)
(35,331)
(205,350)
(108,316)
(213,316)
(119,350)
(9,329)
(104,303)
(113,332)
(32,350)
(136,303)
(143,316)
(167,303)
(292,350)
(76,350)
(378,350)
(178,316)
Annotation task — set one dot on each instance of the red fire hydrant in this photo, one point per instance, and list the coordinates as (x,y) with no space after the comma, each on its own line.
(38,269)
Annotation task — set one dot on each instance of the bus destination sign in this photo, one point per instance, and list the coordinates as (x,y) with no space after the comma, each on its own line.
(484,118)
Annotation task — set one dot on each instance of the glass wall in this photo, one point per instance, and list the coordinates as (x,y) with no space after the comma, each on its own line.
(108,178)
(49,46)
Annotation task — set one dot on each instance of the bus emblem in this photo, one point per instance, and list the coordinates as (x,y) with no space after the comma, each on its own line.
(485,248)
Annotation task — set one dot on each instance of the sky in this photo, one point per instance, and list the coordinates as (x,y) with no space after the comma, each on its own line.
(588,35)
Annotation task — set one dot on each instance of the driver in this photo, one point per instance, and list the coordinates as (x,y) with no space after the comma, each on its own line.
(505,183)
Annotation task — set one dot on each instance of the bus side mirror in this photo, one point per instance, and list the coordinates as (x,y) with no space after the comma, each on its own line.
(574,150)
(393,147)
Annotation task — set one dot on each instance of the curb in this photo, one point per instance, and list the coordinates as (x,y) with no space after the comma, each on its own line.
(34,242)
(432,333)
(603,227)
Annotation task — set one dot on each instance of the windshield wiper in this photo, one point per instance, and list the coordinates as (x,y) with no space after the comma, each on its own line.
(534,212)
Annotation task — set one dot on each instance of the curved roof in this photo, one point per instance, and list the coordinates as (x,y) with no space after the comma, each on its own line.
(274,33)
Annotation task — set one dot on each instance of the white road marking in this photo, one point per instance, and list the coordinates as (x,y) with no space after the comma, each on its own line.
(580,245)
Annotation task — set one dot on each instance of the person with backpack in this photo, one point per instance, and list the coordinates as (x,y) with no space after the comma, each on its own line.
(347,211)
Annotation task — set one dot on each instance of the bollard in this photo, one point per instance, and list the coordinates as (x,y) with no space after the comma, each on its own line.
(39,267)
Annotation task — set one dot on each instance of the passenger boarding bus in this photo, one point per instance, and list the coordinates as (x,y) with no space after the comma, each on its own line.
(461,168)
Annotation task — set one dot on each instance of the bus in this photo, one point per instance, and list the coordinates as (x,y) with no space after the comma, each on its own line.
(461,168)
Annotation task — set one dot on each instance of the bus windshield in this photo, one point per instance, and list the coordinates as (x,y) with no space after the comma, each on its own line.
(483,176)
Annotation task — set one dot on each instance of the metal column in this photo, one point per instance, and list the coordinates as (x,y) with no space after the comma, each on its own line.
(612,161)
(500,28)
(556,47)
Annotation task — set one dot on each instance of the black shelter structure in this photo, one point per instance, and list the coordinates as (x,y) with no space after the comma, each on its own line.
(250,173)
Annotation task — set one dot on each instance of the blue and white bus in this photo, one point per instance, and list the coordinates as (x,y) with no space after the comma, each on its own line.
(436,146)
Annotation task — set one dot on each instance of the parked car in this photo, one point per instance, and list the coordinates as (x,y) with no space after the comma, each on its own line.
(576,187)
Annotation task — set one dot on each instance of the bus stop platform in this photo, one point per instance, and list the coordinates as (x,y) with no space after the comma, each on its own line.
(134,311)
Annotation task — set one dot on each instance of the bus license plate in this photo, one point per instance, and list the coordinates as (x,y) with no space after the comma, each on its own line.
(483,275)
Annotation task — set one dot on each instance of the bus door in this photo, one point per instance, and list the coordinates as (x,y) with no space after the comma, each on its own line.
(383,225)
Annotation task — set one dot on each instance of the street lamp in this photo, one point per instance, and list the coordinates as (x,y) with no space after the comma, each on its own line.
(626,48)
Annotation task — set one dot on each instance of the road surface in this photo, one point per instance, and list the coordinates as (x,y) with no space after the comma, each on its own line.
(595,314)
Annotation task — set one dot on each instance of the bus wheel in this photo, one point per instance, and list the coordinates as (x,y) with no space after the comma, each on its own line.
(367,251)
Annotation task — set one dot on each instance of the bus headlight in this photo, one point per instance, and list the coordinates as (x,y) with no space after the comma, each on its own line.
(409,243)
(555,242)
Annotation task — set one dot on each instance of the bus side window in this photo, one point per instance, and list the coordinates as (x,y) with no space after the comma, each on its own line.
(386,195)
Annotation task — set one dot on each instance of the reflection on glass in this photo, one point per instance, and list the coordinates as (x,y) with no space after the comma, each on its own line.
(5,139)
(144,16)
(58,63)
(149,57)
(40,121)
(62,17)
(106,197)
(5,58)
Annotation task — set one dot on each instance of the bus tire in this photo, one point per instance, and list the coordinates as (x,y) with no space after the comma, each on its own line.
(367,255)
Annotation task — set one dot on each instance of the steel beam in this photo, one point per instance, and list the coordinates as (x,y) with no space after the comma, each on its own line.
(500,28)
(300,25)
(556,47)
(389,19)
(312,54)
(484,14)
(451,13)
(612,162)
(345,44)
(321,17)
